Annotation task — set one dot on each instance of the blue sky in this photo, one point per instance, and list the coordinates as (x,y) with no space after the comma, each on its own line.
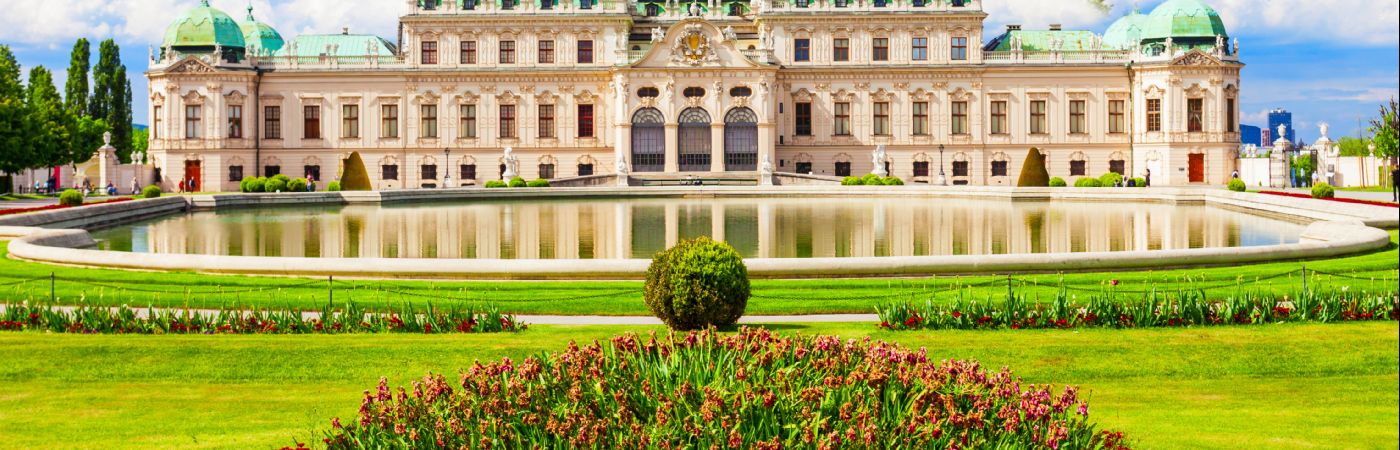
(1329,61)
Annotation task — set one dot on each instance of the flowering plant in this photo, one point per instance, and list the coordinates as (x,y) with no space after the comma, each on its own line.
(753,389)
(330,320)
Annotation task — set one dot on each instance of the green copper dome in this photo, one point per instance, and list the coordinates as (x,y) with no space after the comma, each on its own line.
(260,36)
(1126,32)
(1181,20)
(204,27)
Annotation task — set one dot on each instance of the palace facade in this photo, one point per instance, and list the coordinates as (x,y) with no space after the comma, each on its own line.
(668,88)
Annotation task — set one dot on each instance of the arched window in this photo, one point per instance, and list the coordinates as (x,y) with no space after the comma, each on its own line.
(694,137)
(740,91)
(648,140)
(648,92)
(694,92)
(1078,166)
(740,139)
(653,10)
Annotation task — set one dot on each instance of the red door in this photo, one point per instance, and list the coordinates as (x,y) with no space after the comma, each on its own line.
(192,178)
(1196,167)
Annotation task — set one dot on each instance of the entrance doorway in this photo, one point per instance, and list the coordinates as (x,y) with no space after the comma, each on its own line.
(192,177)
(1196,167)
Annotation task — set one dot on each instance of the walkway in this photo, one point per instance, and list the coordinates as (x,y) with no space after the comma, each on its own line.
(1368,196)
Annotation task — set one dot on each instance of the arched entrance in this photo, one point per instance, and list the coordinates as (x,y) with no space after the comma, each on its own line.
(648,140)
(740,140)
(694,148)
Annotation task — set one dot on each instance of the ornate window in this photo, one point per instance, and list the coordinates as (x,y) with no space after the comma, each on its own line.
(350,121)
(235,173)
(920,125)
(959,116)
(546,121)
(585,121)
(193,115)
(389,121)
(466,171)
(740,91)
(648,92)
(272,122)
(801,50)
(843,119)
(1230,126)
(585,51)
(803,112)
(311,122)
(841,49)
(999,163)
(1154,114)
(1116,113)
(156,131)
(507,121)
(919,52)
(467,121)
(880,49)
(1078,119)
(1078,167)
(881,115)
(693,92)
(468,52)
(428,123)
(999,115)
(1039,121)
(430,52)
(958,48)
(235,121)
(428,171)
(507,52)
(1116,164)
(960,165)
(546,52)
(1195,112)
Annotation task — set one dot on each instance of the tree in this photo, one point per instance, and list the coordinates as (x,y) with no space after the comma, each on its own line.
(1386,129)
(76,91)
(111,97)
(1033,173)
(1351,146)
(85,137)
(140,142)
(48,121)
(15,153)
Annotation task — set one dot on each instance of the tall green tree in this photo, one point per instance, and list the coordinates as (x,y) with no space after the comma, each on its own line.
(111,97)
(1386,131)
(49,123)
(75,93)
(15,153)
(140,142)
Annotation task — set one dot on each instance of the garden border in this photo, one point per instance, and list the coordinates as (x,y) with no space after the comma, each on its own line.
(1335,229)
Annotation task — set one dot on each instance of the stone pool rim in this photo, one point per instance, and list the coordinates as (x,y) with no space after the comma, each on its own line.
(1335,229)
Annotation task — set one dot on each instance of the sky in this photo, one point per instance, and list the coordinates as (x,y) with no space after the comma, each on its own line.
(1331,61)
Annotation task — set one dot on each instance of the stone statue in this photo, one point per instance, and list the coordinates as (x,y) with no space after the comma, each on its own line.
(729,34)
(657,35)
(510,161)
(1236,43)
(1171,49)
(1324,126)
(877,158)
(622,165)
(1219,43)
(766,169)
(218,53)
(151,53)
(1282,128)
(694,10)
(107,138)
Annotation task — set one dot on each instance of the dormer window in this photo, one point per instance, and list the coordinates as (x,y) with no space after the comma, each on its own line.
(546,4)
(920,3)
(508,4)
(801,3)
(880,3)
(841,3)
(431,5)
(736,9)
(585,4)
(469,5)
(653,10)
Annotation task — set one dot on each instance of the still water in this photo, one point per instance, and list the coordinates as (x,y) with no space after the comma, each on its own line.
(638,228)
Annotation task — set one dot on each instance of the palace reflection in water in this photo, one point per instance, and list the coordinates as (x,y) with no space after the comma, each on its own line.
(767,228)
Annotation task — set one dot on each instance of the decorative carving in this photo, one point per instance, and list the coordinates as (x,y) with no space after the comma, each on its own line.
(1196,58)
(802,96)
(882,95)
(507,98)
(693,47)
(191,65)
(193,98)
(235,98)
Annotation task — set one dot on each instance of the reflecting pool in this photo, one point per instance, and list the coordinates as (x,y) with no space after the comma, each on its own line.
(757,227)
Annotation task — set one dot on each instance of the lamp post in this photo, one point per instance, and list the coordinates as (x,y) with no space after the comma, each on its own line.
(942,179)
(446,168)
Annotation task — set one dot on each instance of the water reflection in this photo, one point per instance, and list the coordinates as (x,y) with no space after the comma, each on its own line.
(772,228)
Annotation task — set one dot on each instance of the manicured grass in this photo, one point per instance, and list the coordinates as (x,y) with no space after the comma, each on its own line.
(8,197)
(1378,270)
(1276,386)
(1366,189)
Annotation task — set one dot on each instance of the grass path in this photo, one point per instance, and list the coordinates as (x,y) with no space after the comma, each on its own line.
(21,281)
(1276,386)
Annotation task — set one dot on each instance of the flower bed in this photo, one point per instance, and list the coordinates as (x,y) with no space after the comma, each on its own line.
(754,389)
(1334,199)
(350,319)
(1106,310)
(7,212)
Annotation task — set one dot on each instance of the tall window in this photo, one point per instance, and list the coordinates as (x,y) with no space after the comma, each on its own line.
(1116,111)
(585,52)
(1078,168)
(546,170)
(350,121)
(272,122)
(467,125)
(959,49)
(881,115)
(841,49)
(960,168)
(466,172)
(919,52)
(156,131)
(428,122)
(507,123)
(507,52)
(585,169)
(428,171)
(880,49)
(468,52)
(311,122)
(804,118)
(1039,124)
(585,121)
(546,4)
(546,120)
(998,168)
(235,173)
(920,168)
(959,116)
(192,120)
(546,52)
(843,119)
(389,172)
(1154,114)
(998,125)
(1195,109)
(430,52)
(921,119)
(235,121)
(801,50)
(1230,116)
(1078,121)
(389,121)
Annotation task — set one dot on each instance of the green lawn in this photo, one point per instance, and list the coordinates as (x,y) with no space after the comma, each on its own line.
(1366,189)
(29,281)
(1275,386)
(8,197)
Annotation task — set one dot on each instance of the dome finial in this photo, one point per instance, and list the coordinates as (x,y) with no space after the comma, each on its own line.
(250,10)
(204,3)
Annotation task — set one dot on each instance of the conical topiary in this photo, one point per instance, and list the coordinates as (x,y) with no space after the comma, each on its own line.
(1033,173)
(355,177)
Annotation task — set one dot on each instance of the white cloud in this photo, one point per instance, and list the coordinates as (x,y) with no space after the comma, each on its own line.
(1335,22)
(1040,13)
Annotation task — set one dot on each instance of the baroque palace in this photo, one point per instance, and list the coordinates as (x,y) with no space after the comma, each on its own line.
(671,88)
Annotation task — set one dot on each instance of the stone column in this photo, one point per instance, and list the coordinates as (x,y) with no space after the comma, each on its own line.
(717,147)
(767,144)
(672,148)
(105,158)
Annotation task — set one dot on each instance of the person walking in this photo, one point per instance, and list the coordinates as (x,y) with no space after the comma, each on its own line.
(135,187)
(1395,183)
(1147,178)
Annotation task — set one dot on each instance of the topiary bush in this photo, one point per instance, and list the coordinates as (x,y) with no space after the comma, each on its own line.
(697,284)
(1110,179)
(1033,172)
(1320,190)
(1087,182)
(517,182)
(1237,185)
(851,181)
(1058,182)
(258,184)
(274,184)
(1139,182)
(540,183)
(297,185)
(333,186)
(283,177)
(893,181)
(70,197)
(355,177)
(495,184)
(151,191)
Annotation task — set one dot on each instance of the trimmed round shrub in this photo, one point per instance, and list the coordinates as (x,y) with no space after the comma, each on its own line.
(274,184)
(697,284)
(1139,182)
(893,181)
(1110,179)
(151,191)
(285,179)
(540,183)
(871,179)
(297,185)
(243,184)
(1237,185)
(851,181)
(495,184)
(70,197)
(517,182)
(1087,182)
(1320,190)
(1058,182)
(255,184)
(1033,173)
(333,186)
(355,178)
(769,390)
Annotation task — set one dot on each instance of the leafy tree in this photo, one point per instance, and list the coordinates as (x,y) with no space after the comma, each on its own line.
(1351,146)
(15,151)
(1033,173)
(140,142)
(48,121)
(84,138)
(1386,129)
(76,91)
(111,97)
